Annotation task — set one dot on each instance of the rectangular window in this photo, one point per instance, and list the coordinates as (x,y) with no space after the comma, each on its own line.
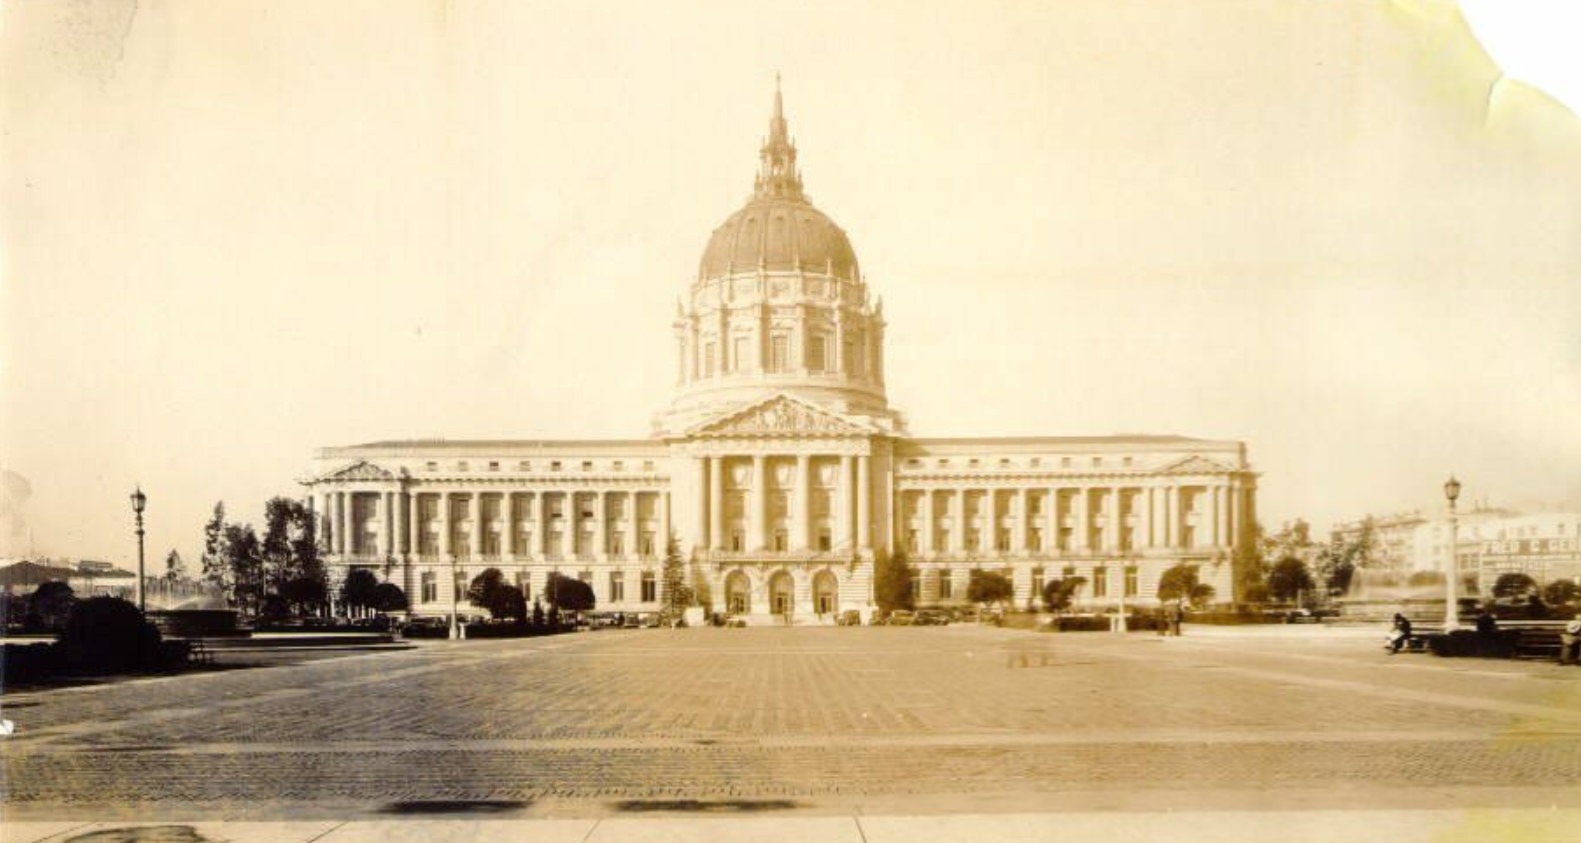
(554,466)
(971,538)
(650,587)
(647,465)
(494,465)
(524,465)
(647,543)
(825,540)
(781,540)
(1070,571)
(430,588)
(1100,581)
(946,585)
(617,465)
(708,360)
(461,582)
(738,541)
(617,586)
(912,544)
(916,587)
(851,367)
(779,353)
(1035,539)
(817,353)
(1065,538)
(738,355)
(432,465)
(587,465)
(461,466)
(1131,578)
(1004,540)
(617,544)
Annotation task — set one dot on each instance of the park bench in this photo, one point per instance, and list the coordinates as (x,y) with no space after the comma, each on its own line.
(198,653)
(1537,639)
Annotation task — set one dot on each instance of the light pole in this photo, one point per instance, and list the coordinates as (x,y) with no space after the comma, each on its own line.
(139,500)
(1452,579)
(455,586)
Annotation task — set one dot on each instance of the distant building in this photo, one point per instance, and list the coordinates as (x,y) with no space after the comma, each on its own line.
(1490,541)
(781,470)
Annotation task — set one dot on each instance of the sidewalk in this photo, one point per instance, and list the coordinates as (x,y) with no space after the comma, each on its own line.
(1460,826)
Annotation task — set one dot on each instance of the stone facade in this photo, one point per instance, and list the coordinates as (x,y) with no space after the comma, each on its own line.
(781,471)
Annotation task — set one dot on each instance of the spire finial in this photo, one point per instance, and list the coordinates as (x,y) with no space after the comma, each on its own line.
(777,174)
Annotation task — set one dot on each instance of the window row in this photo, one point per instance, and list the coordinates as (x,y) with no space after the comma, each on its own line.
(553,465)
(1006,462)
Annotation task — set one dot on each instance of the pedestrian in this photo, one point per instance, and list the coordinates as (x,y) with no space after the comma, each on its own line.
(1177,615)
(1570,642)
(1400,636)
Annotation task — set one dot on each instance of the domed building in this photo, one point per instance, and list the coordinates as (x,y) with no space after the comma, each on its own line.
(779,472)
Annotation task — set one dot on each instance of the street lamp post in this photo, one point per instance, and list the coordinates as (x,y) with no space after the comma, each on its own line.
(455,586)
(139,500)
(1452,579)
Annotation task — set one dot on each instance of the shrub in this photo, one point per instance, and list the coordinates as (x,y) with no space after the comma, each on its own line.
(109,635)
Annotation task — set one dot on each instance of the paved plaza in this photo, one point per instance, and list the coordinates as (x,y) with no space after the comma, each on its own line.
(804,723)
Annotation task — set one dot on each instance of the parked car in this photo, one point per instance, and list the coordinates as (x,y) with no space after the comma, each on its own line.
(900,618)
(849,617)
(931,617)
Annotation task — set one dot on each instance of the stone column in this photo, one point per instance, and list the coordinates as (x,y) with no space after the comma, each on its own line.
(508,548)
(663,531)
(348,544)
(409,512)
(802,532)
(958,516)
(633,527)
(1051,521)
(568,541)
(446,546)
(1083,516)
(477,525)
(1144,518)
(1172,517)
(845,521)
(988,541)
(716,503)
(927,521)
(864,502)
(1023,520)
(758,517)
(540,525)
(1112,533)
(1221,507)
(601,525)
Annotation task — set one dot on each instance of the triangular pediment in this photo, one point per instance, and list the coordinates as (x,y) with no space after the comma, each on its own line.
(782,415)
(360,470)
(1196,464)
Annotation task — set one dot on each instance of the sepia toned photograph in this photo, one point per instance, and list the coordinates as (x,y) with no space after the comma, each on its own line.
(787,421)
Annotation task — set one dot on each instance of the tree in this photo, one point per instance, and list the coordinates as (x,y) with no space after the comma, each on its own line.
(989,587)
(1514,585)
(303,595)
(1338,562)
(289,548)
(1180,583)
(892,578)
(490,591)
(243,565)
(358,589)
(216,568)
(569,595)
(52,603)
(675,595)
(1289,579)
(1057,594)
(1561,592)
(537,613)
(388,597)
(175,569)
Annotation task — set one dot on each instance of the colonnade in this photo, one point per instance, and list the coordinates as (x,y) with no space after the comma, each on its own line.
(849,519)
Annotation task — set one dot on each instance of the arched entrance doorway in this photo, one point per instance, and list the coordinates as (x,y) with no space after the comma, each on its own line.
(738,594)
(782,593)
(825,593)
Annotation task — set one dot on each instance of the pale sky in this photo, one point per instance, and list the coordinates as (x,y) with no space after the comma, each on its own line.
(237,232)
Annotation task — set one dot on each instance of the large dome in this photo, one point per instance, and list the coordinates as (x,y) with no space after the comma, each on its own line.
(778,234)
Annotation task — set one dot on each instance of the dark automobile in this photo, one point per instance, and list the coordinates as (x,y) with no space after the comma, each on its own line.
(931,617)
(849,617)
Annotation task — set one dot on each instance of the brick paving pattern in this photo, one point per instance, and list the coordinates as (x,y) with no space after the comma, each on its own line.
(808,715)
